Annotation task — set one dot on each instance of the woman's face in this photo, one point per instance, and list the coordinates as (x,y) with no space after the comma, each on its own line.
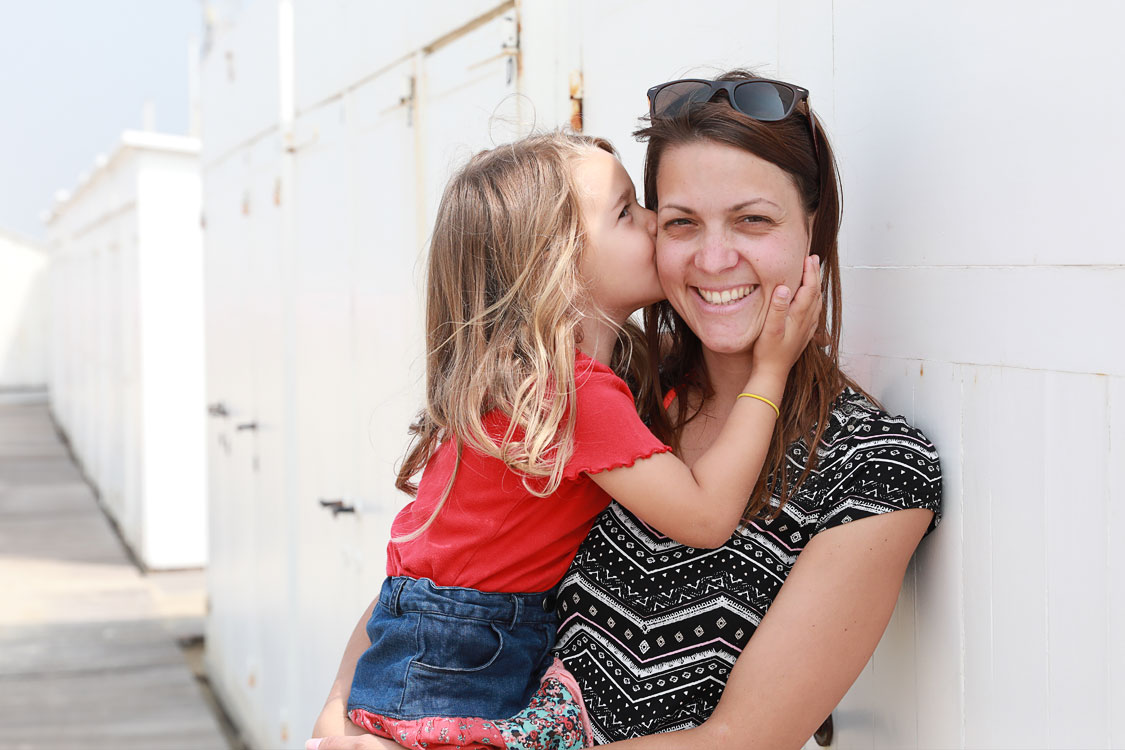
(730,228)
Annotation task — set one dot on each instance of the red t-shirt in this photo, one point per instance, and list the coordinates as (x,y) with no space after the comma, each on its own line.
(492,534)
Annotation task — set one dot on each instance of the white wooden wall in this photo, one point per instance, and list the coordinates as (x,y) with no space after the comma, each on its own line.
(982,281)
(126,342)
(23,313)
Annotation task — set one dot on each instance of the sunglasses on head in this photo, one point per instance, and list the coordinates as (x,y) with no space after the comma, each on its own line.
(757,98)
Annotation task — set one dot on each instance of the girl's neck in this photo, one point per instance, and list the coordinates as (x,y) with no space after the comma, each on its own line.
(598,338)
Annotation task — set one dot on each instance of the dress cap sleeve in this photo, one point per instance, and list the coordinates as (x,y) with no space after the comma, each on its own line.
(877,463)
(608,433)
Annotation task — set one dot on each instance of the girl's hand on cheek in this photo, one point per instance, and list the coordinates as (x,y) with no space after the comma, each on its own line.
(791,321)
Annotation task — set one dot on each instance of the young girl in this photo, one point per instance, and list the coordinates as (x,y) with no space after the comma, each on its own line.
(539,254)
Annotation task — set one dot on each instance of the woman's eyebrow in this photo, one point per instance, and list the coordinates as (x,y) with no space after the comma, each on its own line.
(747,204)
(732,209)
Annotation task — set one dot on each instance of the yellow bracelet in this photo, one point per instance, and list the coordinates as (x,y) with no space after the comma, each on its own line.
(763,399)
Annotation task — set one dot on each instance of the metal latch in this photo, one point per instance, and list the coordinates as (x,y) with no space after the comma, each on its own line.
(338,506)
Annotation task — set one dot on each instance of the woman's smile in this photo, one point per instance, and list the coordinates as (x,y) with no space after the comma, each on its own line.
(725,297)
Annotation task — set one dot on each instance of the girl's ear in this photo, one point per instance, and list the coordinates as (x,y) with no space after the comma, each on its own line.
(808,231)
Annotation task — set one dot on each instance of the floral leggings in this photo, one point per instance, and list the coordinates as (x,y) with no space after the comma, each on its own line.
(555,719)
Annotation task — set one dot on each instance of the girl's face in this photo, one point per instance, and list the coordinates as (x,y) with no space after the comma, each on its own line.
(618,261)
(730,228)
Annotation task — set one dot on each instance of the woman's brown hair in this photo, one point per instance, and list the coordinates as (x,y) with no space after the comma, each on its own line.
(815,379)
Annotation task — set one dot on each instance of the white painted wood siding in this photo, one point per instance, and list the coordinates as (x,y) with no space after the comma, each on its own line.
(983,283)
(24,295)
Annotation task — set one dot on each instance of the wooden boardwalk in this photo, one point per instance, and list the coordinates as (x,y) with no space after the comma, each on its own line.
(89,654)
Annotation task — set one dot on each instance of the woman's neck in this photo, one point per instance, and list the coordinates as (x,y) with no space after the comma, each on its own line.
(728,374)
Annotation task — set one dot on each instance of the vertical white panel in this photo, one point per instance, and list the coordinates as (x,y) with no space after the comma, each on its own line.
(132,411)
(977,468)
(1021,700)
(98,462)
(114,489)
(939,608)
(325,439)
(87,373)
(1076,454)
(264,298)
(231,648)
(1115,561)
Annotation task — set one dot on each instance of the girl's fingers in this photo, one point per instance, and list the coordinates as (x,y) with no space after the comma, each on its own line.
(806,305)
(810,284)
(778,311)
(812,272)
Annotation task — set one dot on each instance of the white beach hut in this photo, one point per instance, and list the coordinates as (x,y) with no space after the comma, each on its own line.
(126,379)
(23,314)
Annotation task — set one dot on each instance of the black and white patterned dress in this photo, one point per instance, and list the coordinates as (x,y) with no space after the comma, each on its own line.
(651,628)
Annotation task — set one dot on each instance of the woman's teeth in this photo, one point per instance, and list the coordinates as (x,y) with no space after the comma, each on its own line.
(726,296)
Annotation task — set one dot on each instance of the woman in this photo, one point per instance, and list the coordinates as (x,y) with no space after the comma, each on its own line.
(659,635)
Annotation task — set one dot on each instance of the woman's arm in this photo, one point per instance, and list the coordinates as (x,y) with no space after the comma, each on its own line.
(333,719)
(814,640)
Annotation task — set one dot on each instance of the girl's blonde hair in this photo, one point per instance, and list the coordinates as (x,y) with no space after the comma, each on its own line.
(504,300)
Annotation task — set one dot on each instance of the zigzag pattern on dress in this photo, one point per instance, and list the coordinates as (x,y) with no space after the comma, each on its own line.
(621,590)
(651,628)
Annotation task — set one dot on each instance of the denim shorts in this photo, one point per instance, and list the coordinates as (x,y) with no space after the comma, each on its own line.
(452,651)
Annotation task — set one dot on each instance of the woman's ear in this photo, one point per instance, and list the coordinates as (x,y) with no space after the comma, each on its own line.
(808,231)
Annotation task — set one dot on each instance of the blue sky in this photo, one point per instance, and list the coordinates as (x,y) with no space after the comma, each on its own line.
(73,75)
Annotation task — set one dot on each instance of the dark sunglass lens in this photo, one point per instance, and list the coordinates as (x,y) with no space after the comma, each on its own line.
(677,97)
(762,100)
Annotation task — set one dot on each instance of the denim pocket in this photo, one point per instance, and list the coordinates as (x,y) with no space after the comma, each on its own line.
(458,645)
(472,668)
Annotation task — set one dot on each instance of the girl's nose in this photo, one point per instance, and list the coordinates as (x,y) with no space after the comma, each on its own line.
(715,254)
